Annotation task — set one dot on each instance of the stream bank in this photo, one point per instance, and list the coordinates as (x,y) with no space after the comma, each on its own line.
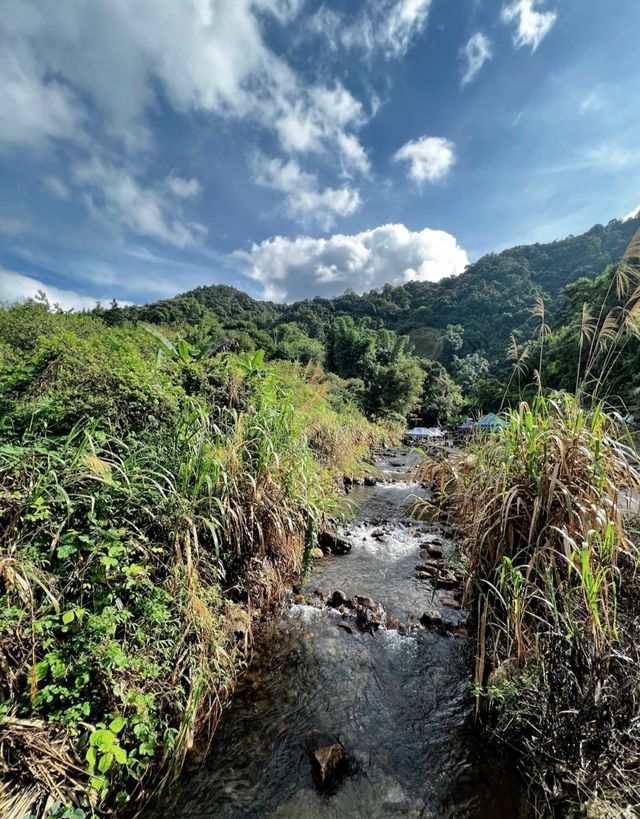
(394,695)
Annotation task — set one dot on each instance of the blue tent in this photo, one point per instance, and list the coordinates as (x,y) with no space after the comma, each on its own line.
(491,421)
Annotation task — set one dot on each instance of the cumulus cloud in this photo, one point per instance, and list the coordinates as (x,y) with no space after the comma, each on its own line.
(117,197)
(18,287)
(430,158)
(305,201)
(476,52)
(531,26)
(292,269)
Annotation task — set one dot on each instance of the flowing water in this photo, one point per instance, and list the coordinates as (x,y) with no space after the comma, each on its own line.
(398,699)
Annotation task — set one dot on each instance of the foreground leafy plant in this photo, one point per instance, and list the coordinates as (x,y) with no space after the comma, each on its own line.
(149,507)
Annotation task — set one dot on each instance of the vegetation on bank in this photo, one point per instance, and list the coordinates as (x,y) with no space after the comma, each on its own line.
(540,510)
(546,511)
(157,494)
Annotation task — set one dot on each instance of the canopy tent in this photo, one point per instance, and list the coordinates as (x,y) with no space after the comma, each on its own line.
(425,432)
(489,421)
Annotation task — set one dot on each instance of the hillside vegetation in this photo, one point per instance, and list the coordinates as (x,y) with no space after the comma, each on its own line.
(468,324)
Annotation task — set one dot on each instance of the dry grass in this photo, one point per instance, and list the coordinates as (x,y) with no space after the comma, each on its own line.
(38,768)
(540,511)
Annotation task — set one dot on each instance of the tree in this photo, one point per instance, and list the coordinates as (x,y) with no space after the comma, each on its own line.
(395,388)
(351,348)
(293,344)
(441,399)
(470,369)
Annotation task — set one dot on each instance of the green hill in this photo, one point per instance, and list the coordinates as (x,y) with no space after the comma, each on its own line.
(491,299)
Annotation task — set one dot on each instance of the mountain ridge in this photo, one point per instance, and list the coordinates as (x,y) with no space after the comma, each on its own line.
(491,299)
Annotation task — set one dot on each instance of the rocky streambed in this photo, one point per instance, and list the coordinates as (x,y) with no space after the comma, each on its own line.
(358,700)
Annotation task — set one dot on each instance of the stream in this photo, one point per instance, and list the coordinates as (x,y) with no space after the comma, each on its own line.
(398,699)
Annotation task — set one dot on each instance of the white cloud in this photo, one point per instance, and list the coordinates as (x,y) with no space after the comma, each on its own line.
(114,195)
(205,56)
(292,269)
(305,201)
(183,188)
(389,27)
(632,214)
(33,107)
(322,120)
(93,74)
(476,52)
(430,158)
(531,26)
(18,287)
(592,102)
(56,187)
(12,227)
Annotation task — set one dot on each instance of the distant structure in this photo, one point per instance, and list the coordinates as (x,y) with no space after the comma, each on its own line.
(423,435)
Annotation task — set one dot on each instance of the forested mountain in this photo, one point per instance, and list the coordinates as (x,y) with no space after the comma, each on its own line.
(491,299)
(383,339)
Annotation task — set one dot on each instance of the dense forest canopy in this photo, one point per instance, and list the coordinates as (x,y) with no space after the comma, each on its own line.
(387,340)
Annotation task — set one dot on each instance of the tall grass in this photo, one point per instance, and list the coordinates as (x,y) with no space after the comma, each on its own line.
(136,546)
(542,511)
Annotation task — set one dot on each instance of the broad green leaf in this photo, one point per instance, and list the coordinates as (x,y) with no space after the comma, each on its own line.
(117,724)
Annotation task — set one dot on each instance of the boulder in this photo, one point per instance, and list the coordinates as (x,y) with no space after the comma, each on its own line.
(329,760)
(431,618)
(369,481)
(330,542)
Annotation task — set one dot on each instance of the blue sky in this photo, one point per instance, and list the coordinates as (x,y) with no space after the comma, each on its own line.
(295,147)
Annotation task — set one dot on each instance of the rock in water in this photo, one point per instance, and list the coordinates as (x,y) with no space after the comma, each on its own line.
(369,614)
(331,542)
(431,617)
(329,761)
(339,598)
